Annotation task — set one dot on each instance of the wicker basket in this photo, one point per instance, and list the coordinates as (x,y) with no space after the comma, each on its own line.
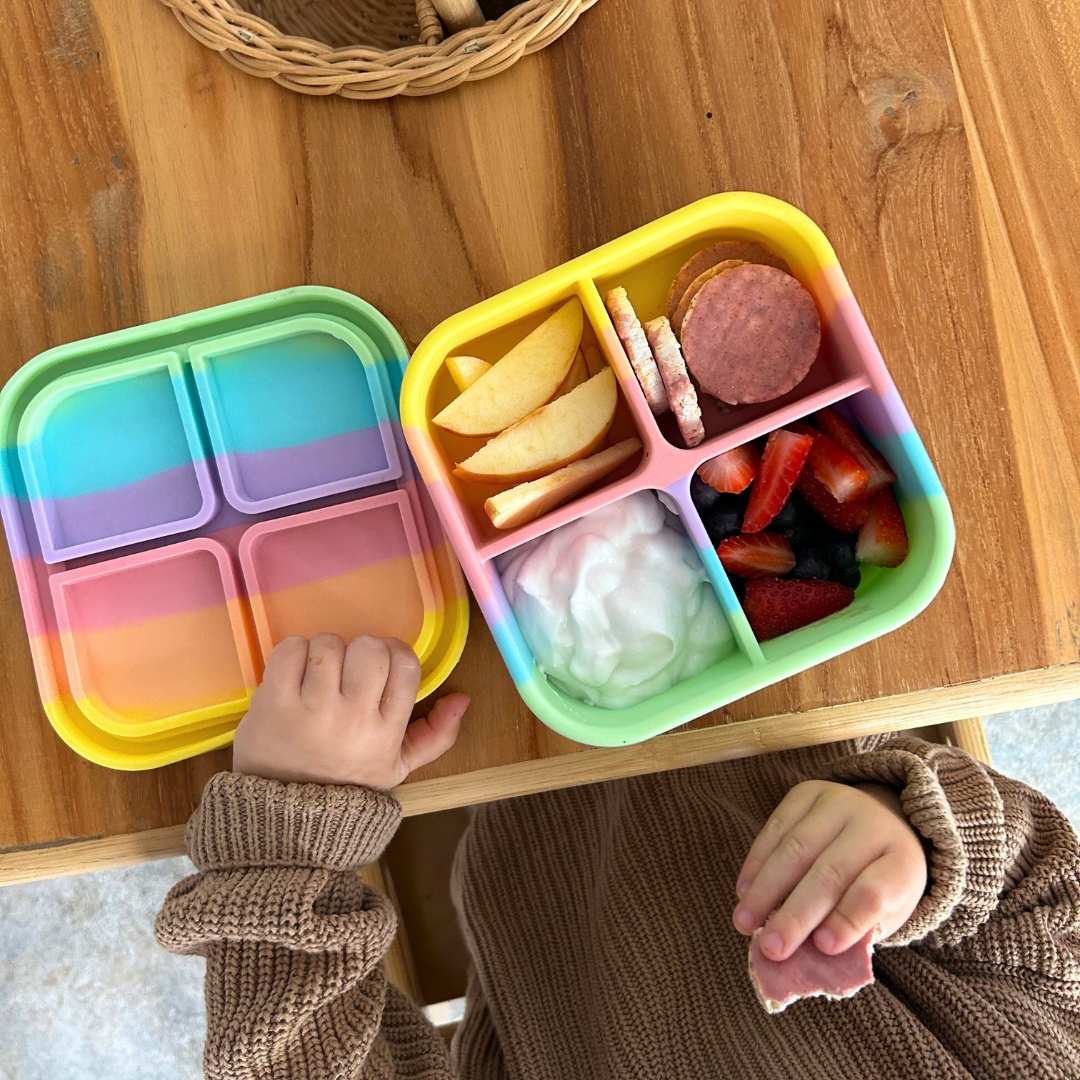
(366,48)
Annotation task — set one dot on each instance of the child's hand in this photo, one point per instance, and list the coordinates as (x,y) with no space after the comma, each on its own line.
(327,714)
(838,858)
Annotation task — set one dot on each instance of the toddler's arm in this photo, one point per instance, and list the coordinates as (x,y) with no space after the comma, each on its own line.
(992,916)
(291,936)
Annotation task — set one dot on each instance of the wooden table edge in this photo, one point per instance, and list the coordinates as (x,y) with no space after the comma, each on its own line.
(783,731)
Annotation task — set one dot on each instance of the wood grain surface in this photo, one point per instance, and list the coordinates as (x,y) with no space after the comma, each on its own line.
(936,144)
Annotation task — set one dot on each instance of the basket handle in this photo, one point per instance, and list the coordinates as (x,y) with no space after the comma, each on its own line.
(459,14)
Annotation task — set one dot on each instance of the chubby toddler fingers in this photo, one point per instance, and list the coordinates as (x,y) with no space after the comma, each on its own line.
(880,899)
(785,868)
(431,737)
(286,665)
(402,683)
(816,895)
(795,805)
(364,672)
(322,676)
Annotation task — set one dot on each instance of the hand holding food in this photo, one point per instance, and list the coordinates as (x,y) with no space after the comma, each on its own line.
(836,863)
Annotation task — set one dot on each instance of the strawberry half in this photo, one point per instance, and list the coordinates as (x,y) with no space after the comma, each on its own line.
(734,471)
(774,606)
(883,538)
(761,555)
(781,463)
(843,517)
(847,437)
(842,475)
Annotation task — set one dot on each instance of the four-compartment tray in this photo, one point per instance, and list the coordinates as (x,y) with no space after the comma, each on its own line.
(180,496)
(849,373)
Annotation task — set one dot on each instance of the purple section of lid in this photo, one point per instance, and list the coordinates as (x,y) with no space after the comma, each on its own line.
(267,479)
(21,535)
(167,502)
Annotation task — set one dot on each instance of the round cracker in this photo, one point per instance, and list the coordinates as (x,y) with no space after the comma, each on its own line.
(751,334)
(695,287)
(746,250)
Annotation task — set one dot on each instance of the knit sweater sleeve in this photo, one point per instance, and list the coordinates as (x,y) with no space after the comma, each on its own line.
(1004,862)
(292,938)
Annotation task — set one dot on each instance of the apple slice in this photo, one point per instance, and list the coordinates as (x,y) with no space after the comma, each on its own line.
(527,502)
(465,370)
(570,428)
(578,373)
(524,379)
(594,359)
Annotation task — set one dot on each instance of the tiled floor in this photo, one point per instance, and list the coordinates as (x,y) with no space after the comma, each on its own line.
(85,993)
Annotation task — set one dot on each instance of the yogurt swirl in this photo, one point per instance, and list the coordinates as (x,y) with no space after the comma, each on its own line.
(616,606)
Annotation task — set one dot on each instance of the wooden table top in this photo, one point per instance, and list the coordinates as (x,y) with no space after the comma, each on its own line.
(936,144)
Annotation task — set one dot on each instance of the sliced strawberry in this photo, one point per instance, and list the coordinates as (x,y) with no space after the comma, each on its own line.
(844,517)
(847,437)
(883,537)
(774,606)
(783,460)
(841,474)
(733,471)
(803,429)
(761,555)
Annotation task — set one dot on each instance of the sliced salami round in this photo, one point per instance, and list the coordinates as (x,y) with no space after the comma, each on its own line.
(751,334)
(695,287)
(746,250)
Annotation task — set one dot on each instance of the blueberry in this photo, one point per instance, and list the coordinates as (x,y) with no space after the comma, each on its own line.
(850,578)
(811,564)
(723,520)
(803,537)
(705,496)
(841,553)
(788,517)
(739,586)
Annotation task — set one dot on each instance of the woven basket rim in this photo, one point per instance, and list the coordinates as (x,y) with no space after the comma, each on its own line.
(252,36)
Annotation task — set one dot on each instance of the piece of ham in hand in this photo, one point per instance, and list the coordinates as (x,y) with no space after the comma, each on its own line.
(808,972)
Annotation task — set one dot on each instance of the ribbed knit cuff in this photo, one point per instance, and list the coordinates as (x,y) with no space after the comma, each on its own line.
(246,821)
(949,800)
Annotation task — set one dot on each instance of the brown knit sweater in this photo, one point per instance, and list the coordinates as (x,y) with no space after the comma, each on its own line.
(599,924)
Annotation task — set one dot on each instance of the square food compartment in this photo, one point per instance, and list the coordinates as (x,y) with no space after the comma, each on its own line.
(850,371)
(351,569)
(295,412)
(735,666)
(839,370)
(112,456)
(155,641)
(490,343)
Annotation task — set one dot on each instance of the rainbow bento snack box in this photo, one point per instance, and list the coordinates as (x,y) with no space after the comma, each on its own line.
(634,447)
(178,497)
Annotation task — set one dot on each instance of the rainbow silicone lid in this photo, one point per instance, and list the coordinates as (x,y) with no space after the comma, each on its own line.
(849,374)
(147,643)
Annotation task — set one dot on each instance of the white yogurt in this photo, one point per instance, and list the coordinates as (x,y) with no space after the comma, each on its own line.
(616,606)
